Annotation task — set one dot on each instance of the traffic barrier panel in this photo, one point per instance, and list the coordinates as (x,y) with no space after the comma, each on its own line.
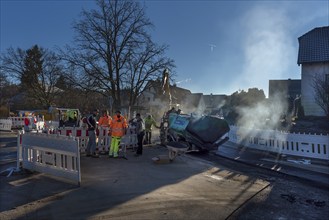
(103,140)
(5,124)
(54,155)
(18,122)
(19,149)
(294,144)
(103,137)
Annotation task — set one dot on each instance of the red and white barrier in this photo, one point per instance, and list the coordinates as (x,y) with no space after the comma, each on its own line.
(103,137)
(18,122)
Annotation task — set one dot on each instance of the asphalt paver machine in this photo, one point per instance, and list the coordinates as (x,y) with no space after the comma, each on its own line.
(182,133)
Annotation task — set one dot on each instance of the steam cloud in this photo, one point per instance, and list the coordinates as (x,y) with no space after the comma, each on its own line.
(268,48)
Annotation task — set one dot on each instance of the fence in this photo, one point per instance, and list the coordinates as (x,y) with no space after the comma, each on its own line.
(54,155)
(5,124)
(18,122)
(304,145)
(103,137)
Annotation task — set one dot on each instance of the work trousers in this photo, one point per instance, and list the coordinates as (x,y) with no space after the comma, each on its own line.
(140,137)
(91,146)
(148,137)
(114,149)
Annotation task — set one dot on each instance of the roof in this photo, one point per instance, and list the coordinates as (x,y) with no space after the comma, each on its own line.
(314,46)
(174,90)
(193,100)
(288,87)
(214,100)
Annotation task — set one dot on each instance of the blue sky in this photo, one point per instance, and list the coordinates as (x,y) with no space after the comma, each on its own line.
(255,41)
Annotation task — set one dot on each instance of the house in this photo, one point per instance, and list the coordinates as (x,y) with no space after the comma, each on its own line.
(153,101)
(288,89)
(193,103)
(214,103)
(313,55)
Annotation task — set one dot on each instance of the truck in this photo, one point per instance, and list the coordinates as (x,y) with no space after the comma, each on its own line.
(63,117)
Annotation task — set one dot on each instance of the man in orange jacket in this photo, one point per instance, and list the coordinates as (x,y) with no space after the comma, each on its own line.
(104,122)
(118,128)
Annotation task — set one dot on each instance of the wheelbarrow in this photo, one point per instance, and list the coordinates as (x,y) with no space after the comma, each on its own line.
(175,149)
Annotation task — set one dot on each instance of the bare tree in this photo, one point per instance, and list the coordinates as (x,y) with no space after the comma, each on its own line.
(36,69)
(321,91)
(144,65)
(12,63)
(114,52)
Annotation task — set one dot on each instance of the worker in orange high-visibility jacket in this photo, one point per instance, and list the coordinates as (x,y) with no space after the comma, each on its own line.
(105,120)
(118,129)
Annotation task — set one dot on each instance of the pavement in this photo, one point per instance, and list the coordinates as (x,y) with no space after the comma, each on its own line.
(139,188)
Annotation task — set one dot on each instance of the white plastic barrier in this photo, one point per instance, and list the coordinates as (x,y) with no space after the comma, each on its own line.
(132,138)
(304,145)
(19,149)
(104,140)
(5,124)
(18,122)
(54,155)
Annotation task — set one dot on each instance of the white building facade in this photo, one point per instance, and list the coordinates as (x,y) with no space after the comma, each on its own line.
(313,55)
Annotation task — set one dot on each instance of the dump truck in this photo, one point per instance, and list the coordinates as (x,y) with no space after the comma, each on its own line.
(63,117)
(192,133)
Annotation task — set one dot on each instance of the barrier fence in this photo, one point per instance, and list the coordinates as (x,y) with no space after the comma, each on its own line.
(295,144)
(54,155)
(57,153)
(18,122)
(5,124)
(103,137)
(81,134)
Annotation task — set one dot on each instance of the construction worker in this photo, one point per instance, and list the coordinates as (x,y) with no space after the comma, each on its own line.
(26,124)
(118,129)
(34,121)
(92,126)
(104,122)
(149,123)
(140,131)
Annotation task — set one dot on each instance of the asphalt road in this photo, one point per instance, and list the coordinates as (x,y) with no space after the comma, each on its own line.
(286,197)
(194,186)
(8,149)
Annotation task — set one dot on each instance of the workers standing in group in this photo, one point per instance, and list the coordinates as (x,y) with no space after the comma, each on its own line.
(118,129)
(149,123)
